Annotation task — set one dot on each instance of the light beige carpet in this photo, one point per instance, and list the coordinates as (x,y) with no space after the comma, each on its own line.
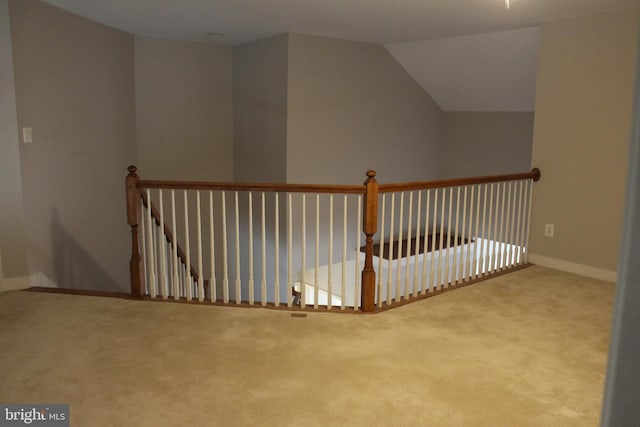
(524,349)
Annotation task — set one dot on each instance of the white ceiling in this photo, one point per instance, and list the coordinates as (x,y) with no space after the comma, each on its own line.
(375,21)
(484,72)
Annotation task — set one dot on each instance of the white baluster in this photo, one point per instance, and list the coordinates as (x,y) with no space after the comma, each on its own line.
(518,248)
(183,277)
(356,282)
(330,266)
(497,225)
(487,257)
(152,242)
(525,207)
(493,237)
(183,287)
(424,284)
(441,268)
(303,262)
(199,228)
(343,294)
(501,229)
(500,239)
(493,225)
(251,282)
(276,284)
(317,253)
(290,252)
(238,282)
(433,270)
(526,246)
(416,252)
(158,236)
(187,249)
(163,253)
(463,237)
(469,236)
(399,251)
(408,257)
(508,231)
(225,254)
(381,255)
(456,259)
(390,263)
(178,272)
(212,279)
(447,267)
(174,257)
(143,238)
(167,255)
(512,233)
(150,247)
(476,249)
(263,282)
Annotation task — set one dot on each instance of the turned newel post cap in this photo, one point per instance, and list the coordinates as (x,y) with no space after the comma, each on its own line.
(132,170)
(371,177)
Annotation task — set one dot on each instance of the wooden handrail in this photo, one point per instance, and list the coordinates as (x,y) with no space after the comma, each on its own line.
(246,186)
(332,188)
(423,185)
(169,235)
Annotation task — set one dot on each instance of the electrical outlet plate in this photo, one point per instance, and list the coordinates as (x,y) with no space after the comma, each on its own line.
(549,230)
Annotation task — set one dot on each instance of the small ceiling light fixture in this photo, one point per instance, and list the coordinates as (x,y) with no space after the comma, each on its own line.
(507,4)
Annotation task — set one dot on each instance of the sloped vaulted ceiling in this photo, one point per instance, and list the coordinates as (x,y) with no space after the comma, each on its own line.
(481,72)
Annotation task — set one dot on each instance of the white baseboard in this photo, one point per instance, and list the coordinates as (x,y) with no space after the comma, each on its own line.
(25,282)
(575,268)
(14,283)
(42,280)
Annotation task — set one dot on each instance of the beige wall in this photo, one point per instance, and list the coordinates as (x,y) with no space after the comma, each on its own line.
(581,137)
(75,87)
(486,143)
(184,113)
(13,243)
(260,110)
(352,107)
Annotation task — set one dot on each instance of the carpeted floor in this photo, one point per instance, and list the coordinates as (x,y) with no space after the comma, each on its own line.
(524,349)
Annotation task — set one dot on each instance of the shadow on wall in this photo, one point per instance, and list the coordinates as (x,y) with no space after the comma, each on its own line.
(74,267)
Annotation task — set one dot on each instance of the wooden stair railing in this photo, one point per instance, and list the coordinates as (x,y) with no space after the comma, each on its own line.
(170,239)
(371,193)
(155,214)
(136,199)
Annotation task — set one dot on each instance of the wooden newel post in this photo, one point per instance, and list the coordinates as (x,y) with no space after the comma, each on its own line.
(370,227)
(134,212)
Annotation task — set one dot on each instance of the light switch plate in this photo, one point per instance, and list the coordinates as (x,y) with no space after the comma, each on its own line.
(27,135)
